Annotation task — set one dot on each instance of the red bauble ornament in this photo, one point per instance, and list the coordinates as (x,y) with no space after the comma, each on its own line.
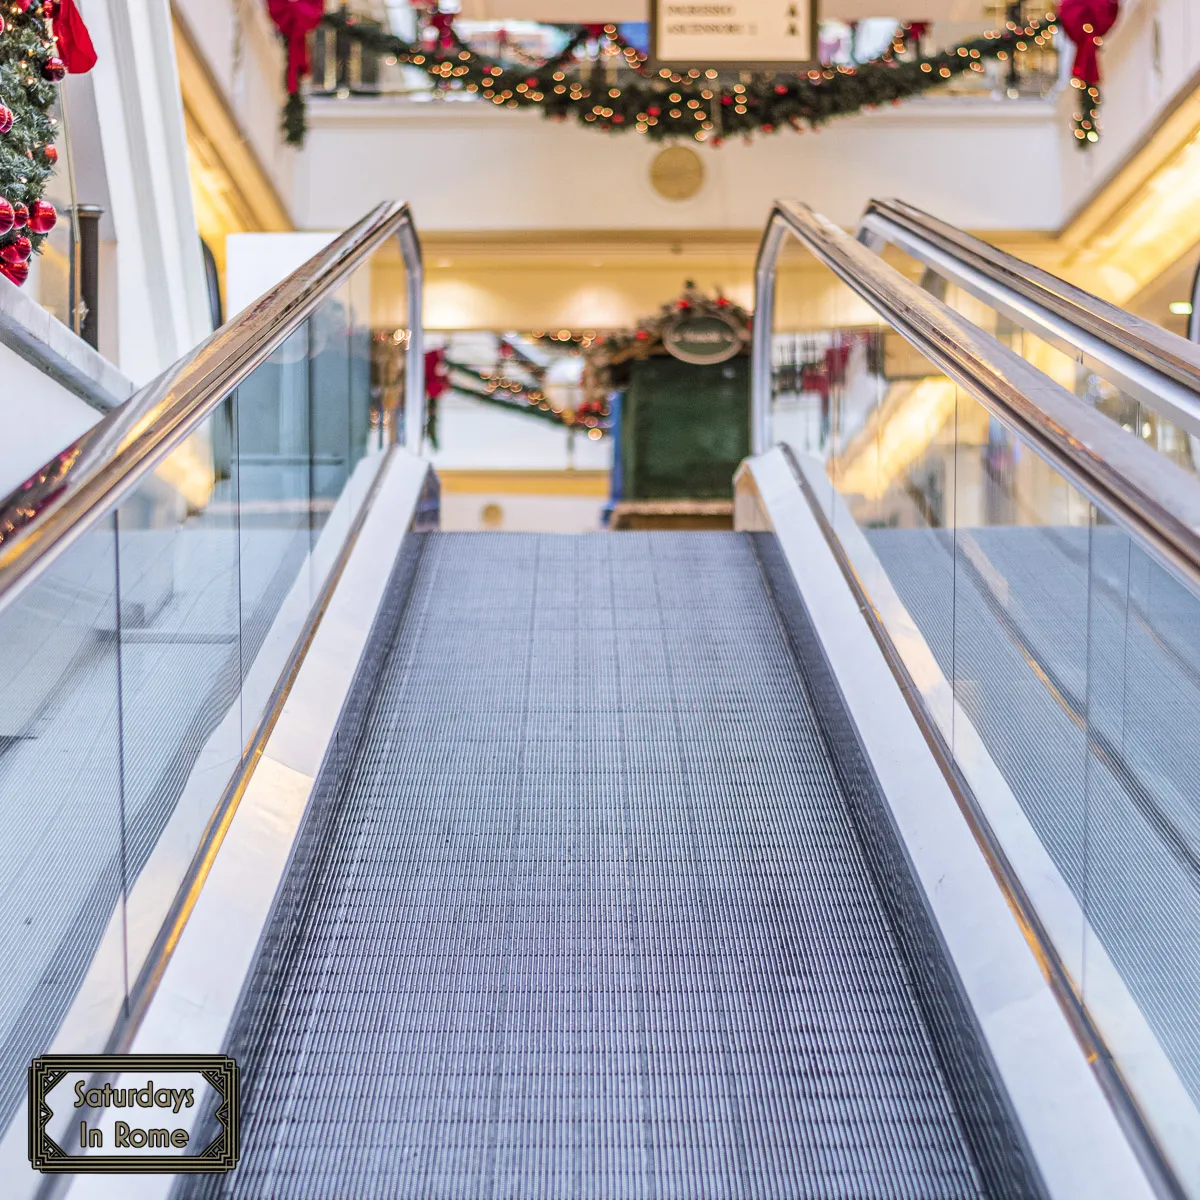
(17,272)
(653,111)
(780,90)
(16,251)
(7,216)
(2,25)
(51,153)
(22,6)
(6,118)
(42,217)
(642,335)
(20,216)
(54,69)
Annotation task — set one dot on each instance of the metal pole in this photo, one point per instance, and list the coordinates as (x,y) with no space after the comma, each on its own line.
(87,220)
(760,348)
(414,358)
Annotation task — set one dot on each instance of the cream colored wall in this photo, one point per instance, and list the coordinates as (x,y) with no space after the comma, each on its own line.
(505,290)
(245,59)
(469,168)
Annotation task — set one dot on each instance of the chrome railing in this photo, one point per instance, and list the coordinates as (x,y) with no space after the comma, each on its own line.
(89,478)
(1034,571)
(160,581)
(1157,367)
(1155,500)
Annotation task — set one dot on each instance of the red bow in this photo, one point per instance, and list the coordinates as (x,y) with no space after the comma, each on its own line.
(443,29)
(435,373)
(295,19)
(1085,22)
(74,44)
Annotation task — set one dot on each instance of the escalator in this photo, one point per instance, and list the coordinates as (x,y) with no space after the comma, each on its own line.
(850,854)
(588,913)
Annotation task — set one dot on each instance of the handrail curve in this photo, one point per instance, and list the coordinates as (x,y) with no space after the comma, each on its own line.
(80,486)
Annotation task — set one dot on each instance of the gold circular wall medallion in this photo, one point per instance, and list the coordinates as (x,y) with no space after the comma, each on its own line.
(677,173)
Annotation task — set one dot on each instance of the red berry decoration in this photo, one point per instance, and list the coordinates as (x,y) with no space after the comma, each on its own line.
(54,69)
(20,216)
(6,118)
(42,217)
(51,153)
(17,272)
(16,251)
(7,216)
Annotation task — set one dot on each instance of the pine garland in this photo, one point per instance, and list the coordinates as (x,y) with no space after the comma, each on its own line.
(663,105)
(531,401)
(28,70)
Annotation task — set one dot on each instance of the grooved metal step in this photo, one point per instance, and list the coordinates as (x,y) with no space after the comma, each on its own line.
(588,916)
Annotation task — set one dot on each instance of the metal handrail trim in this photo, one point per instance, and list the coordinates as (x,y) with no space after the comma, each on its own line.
(1151,497)
(83,484)
(1157,348)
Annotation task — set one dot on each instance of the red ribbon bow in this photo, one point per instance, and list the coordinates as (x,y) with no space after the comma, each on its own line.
(74,43)
(295,19)
(1086,21)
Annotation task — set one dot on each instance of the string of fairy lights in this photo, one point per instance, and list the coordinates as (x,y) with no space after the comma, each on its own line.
(614,88)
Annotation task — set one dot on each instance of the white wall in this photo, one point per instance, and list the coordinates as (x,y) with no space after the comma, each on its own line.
(1149,57)
(245,57)
(141,155)
(39,417)
(984,164)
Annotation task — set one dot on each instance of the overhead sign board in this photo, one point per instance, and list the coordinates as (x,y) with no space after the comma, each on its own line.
(733,33)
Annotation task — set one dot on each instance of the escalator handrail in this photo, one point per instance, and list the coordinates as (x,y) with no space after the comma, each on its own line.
(1157,502)
(1153,363)
(86,482)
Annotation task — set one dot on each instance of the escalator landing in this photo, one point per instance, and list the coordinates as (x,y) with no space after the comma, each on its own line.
(587,915)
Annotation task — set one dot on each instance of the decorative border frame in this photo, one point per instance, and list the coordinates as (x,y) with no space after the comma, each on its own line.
(218,1070)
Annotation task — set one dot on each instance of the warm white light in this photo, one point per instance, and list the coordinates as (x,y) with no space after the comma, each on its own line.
(1181,308)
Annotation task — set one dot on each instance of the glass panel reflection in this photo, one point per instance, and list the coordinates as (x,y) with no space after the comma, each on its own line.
(1142,868)
(135,671)
(60,803)
(1060,661)
(181,656)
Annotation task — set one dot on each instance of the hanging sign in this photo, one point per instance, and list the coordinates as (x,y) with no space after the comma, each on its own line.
(702,339)
(733,33)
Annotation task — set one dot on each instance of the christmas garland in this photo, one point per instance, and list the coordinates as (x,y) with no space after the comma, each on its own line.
(604,351)
(497,388)
(40,40)
(667,104)
(610,349)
